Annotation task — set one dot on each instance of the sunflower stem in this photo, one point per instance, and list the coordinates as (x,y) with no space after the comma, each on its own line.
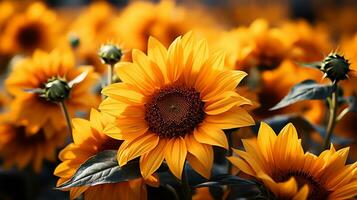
(172,191)
(110,74)
(230,151)
(66,116)
(332,119)
(186,189)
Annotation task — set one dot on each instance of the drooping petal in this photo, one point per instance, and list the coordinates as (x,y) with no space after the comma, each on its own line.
(152,160)
(175,155)
(211,135)
(201,156)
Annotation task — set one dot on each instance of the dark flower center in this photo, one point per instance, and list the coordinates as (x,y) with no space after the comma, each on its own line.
(174,111)
(29,37)
(317,190)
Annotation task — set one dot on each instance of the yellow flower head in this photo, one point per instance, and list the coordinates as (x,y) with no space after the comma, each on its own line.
(94,27)
(164,20)
(20,149)
(89,140)
(280,163)
(258,45)
(173,105)
(37,27)
(33,110)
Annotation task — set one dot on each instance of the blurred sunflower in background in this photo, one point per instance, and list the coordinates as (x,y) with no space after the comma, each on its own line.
(93,27)
(164,20)
(88,140)
(21,149)
(270,54)
(44,71)
(173,105)
(280,163)
(32,29)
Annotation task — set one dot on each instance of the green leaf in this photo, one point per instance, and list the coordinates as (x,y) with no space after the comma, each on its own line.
(226,179)
(352,103)
(102,168)
(242,188)
(306,90)
(315,65)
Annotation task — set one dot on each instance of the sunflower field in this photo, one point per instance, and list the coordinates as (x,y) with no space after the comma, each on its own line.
(178,100)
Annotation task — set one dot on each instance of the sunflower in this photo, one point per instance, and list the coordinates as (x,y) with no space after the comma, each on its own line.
(280,163)
(258,45)
(89,140)
(306,43)
(173,105)
(164,20)
(37,27)
(288,74)
(94,27)
(20,149)
(36,72)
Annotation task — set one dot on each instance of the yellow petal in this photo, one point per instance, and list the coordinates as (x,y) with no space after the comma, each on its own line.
(123,93)
(112,107)
(129,150)
(175,155)
(96,120)
(153,73)
(211,135)
(157,53)
(131,73)
(175,60)
(81,130)
(227,80)
(242,165)
(201,156)
(266,140)
(225,102)
(152,160)
(236,117)
(302,194)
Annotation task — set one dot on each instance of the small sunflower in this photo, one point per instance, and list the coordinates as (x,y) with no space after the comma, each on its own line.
(36,28)
(20,149)
(40,71)
(173,105)
(89,140)
(283,167)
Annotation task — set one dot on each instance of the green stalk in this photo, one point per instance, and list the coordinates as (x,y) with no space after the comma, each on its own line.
(332,119)
(110,74)
(186,189)
(67,116)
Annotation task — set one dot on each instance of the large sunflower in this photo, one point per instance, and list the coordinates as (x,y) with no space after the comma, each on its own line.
(20,149)
(281,164)
(37,27)
(173,105)
(89,140)
(38,71)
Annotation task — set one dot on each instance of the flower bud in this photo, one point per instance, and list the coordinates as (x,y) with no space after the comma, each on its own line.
(110,54)
(74,41)
(335,67)
(56,90)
